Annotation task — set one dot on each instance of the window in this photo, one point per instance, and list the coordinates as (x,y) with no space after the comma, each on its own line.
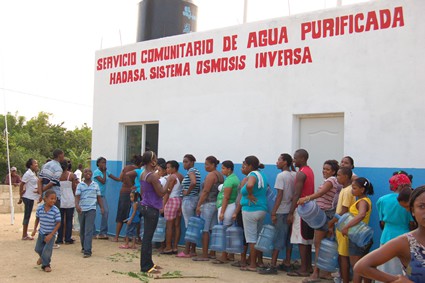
(140,138)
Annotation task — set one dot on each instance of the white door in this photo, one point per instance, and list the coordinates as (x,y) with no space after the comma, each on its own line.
(323,138)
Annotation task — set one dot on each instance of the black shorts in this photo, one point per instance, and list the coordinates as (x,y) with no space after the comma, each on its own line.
(124,205)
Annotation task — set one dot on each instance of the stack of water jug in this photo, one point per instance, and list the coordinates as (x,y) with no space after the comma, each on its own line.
(159,234)
(229,240)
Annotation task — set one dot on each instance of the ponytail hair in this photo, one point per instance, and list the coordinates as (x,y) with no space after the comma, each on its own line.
(147,157)
(288,158)
(228,164)
(254,162)
(366,184)
(211,159)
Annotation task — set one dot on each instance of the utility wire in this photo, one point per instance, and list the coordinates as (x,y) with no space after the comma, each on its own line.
(45,97)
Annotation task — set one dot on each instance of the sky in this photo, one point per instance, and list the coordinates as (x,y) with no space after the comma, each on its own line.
(47,48)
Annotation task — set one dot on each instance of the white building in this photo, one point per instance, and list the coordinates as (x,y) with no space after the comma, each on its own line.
(343,81)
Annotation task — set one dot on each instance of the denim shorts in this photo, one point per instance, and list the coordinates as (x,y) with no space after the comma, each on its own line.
(209,214)
(189,204)
(329,215)
(252,224)
(282,238)
(132,230)
(355,250)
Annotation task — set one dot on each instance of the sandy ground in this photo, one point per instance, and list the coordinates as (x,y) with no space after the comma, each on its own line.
(107,264)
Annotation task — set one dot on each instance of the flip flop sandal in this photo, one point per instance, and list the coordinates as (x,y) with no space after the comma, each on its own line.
(183,255)
(153,270)
(246,268)
(217,261)
(311,280)
(296,273)
(236,264)
(166,252)
(124,247)
(27,238)
(200,259)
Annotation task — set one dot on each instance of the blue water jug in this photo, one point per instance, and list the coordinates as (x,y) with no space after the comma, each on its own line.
(159,235)
(218,238)
(328,255)
(311,213)
(265,239)
(271,197)
(234,239)
(195,226)
(361,234)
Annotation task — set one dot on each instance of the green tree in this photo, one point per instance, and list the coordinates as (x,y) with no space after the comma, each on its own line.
(37,138)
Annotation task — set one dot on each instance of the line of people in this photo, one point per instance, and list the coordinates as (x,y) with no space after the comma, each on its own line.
(163,190)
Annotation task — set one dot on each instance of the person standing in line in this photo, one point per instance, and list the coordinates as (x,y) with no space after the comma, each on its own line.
(394,220)
(348,161)
(345,200)
(285,186)
(49,218)
(151,203)
(14,177)
(101,176)
(86,198)
(68,185)
(28,193)
(361,211)
(207,208)
(78,173)
(191,185)
(172,204)
(409,248)
(124,202)
(302,234)
(254,208)
(325,199)
(226,202)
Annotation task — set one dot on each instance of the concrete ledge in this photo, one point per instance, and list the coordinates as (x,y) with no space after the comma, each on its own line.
(5,200)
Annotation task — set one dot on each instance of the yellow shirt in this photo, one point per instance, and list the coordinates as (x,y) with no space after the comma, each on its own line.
(345,198)
(354,211)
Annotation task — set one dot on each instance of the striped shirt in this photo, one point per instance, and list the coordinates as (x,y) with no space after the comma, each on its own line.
(326,201)
(48,219)
(88,195)
(186,182)
(50,173)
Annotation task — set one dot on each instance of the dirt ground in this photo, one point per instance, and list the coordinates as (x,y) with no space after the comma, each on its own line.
(107,264)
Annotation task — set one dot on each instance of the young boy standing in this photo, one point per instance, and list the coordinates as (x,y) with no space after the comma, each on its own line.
(345,200)
(86,197)
(49,217)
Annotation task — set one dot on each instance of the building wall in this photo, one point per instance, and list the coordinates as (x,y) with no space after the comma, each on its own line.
(371,77)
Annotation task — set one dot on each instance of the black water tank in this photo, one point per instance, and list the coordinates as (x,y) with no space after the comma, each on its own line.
(161,18)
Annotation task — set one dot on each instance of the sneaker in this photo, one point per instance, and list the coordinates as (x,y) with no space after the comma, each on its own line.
(56,246)
(72,241)
(268,270)
(86,255)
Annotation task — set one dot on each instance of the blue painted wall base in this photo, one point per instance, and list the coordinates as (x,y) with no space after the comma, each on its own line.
(378,176)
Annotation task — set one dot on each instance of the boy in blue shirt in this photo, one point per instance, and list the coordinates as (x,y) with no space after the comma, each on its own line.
(86,198)
(49,217)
